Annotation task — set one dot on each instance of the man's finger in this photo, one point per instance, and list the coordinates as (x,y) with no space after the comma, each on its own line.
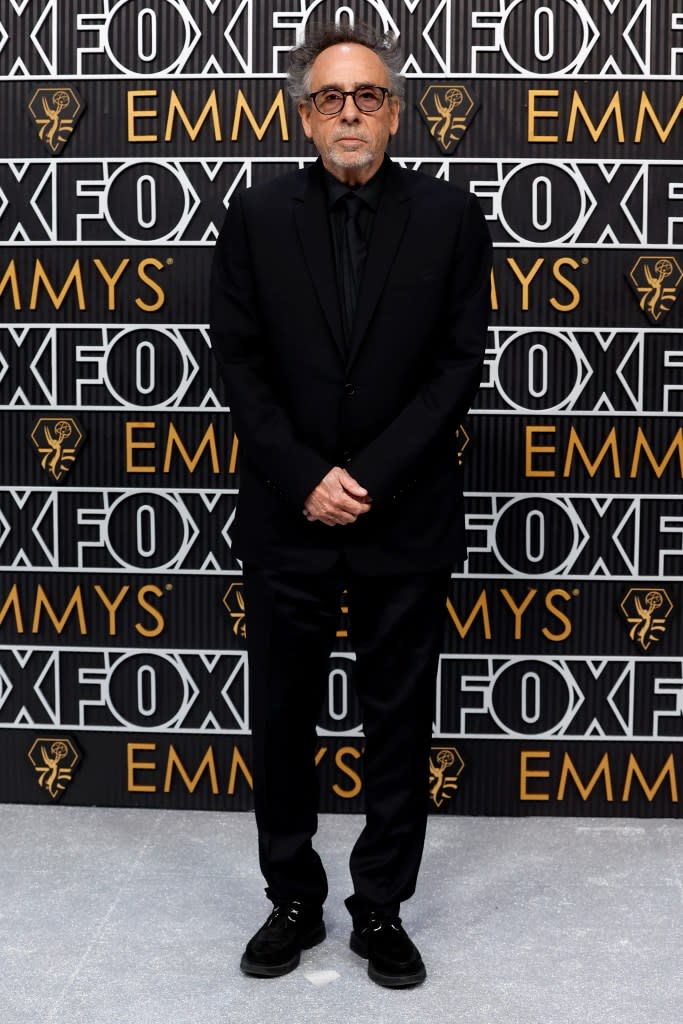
(348,506)
(338,502)
(352,486)
(343,519)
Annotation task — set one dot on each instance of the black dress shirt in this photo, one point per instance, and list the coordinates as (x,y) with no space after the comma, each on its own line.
(350,241)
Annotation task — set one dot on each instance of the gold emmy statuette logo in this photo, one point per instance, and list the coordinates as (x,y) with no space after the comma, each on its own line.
(646,611)
(462,439)
(234,602)
(55,111)
(656,280)
(57,440)
(447,110)
(54,760)
(445,766)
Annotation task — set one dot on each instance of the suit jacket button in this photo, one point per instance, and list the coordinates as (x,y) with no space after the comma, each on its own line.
(346,456)
(349,390)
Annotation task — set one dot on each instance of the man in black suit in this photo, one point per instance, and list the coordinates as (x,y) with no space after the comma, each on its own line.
(349,307)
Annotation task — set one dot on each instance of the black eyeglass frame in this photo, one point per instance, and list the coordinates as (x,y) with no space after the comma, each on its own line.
(350,92)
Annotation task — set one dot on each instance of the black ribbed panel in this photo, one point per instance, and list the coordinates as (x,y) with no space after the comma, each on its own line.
(121,612)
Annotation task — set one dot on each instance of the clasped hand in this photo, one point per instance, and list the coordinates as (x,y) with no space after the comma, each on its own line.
(337,500)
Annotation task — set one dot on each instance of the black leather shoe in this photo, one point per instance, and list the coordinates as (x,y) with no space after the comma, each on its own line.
(393,960)
(275,949)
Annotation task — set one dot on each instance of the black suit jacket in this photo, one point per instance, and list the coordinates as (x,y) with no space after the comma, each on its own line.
(388,410)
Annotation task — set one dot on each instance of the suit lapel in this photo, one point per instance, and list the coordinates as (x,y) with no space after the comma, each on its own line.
(390,222)
(313,224)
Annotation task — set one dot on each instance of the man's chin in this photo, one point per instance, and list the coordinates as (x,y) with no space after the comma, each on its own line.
(351,159)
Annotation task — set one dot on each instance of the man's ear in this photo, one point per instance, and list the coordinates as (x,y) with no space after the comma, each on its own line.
(395,115)
(304,109)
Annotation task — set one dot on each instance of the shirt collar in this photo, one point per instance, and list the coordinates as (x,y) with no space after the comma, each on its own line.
(370,192)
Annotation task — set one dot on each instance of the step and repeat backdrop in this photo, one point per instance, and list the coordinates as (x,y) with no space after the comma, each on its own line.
(128,126)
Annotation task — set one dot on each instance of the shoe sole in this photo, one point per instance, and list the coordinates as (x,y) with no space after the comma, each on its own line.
(360,947)
(257,970)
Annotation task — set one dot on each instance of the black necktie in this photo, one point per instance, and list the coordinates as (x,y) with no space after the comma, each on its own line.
(355,252)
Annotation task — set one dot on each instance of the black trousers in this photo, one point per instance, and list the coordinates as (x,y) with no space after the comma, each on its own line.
(396,625)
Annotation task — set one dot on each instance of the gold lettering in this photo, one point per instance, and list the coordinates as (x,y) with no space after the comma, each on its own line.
(238,762)
(193,130)
(209,439)
(111,606)
(481,605)
(153,285)
(527,773)
(132,445)
(647,108)
(530,449)
(518,610)
(577,107)
(206,763)
(610,445)
(111,281)
(633,769)
(134,113)
(494,292)
(525,281)
(10,277)
(535,115)
(42,601)
(74,277)
(568,769)
(642,445)
(150,588)
(12,601)
(565,307)
(259,130)
(232,463)
(347,794)
(549,598)
(139,766)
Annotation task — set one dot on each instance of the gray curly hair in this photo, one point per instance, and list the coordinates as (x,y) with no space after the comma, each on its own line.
(320,37)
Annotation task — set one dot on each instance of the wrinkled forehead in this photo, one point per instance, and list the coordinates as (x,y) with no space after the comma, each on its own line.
(347,65)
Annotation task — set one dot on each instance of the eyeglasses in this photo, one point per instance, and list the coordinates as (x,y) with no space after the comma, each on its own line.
(368,99)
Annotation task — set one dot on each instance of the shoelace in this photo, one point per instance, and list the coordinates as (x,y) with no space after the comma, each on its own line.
(376,923)
(291,909)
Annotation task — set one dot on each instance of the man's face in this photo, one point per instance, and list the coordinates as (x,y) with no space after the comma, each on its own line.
(351,143)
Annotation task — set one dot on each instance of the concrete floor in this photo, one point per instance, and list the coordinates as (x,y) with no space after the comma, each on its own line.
(139,917)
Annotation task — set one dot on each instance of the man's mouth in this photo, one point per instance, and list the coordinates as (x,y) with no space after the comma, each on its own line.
(350,138)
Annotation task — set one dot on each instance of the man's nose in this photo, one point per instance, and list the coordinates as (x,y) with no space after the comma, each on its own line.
(349,112)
